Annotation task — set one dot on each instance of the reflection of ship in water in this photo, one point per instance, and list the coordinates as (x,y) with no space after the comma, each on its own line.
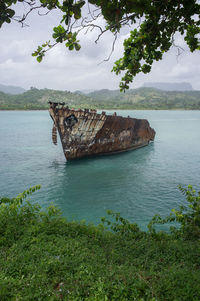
(85,132)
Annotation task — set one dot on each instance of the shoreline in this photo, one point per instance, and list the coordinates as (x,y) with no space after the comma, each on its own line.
(110,109)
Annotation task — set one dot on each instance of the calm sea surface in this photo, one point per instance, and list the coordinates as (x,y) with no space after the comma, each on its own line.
(137,184)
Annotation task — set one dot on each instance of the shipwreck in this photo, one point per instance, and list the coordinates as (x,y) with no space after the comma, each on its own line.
(86,133)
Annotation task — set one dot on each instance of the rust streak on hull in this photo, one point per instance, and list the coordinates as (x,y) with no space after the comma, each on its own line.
(86,133)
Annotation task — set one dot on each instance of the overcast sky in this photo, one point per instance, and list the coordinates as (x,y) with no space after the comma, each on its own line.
(65,70)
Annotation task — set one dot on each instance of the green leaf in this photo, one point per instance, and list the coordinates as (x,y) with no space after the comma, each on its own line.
(11,12)
(77,47)
(8,20)
(71,47)
(39,58)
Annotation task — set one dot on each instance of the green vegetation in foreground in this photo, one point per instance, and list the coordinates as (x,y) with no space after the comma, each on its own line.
(45,257)
(137,99)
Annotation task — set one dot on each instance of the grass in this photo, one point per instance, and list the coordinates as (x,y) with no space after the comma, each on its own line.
(45,257)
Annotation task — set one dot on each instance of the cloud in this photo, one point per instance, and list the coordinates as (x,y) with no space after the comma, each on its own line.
(62,69)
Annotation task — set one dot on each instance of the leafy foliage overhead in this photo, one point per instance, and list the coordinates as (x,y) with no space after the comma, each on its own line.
(159,20)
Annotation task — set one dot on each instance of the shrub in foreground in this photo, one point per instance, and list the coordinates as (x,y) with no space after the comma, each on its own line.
(187,217)
(45,257)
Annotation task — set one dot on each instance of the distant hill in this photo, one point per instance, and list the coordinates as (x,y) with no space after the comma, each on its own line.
(105,94)
(142,98)
(38,99)
(147,98)
(170,86)
(84,91)
(11,89)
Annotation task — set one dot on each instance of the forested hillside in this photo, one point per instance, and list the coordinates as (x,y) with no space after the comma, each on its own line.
(38,99)
(142,98)
(148,98)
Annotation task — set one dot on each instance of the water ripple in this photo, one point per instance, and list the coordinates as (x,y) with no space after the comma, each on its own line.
(137,184)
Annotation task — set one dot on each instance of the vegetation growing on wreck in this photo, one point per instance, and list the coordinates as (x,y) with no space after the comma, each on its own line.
(143,98)
(45,257)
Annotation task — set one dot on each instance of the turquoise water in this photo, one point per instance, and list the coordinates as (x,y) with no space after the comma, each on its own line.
(137,184)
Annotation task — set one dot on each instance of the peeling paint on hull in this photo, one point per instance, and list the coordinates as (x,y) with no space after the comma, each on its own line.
(87,133)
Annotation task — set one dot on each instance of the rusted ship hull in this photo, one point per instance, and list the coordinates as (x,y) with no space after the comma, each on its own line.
(87,133)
